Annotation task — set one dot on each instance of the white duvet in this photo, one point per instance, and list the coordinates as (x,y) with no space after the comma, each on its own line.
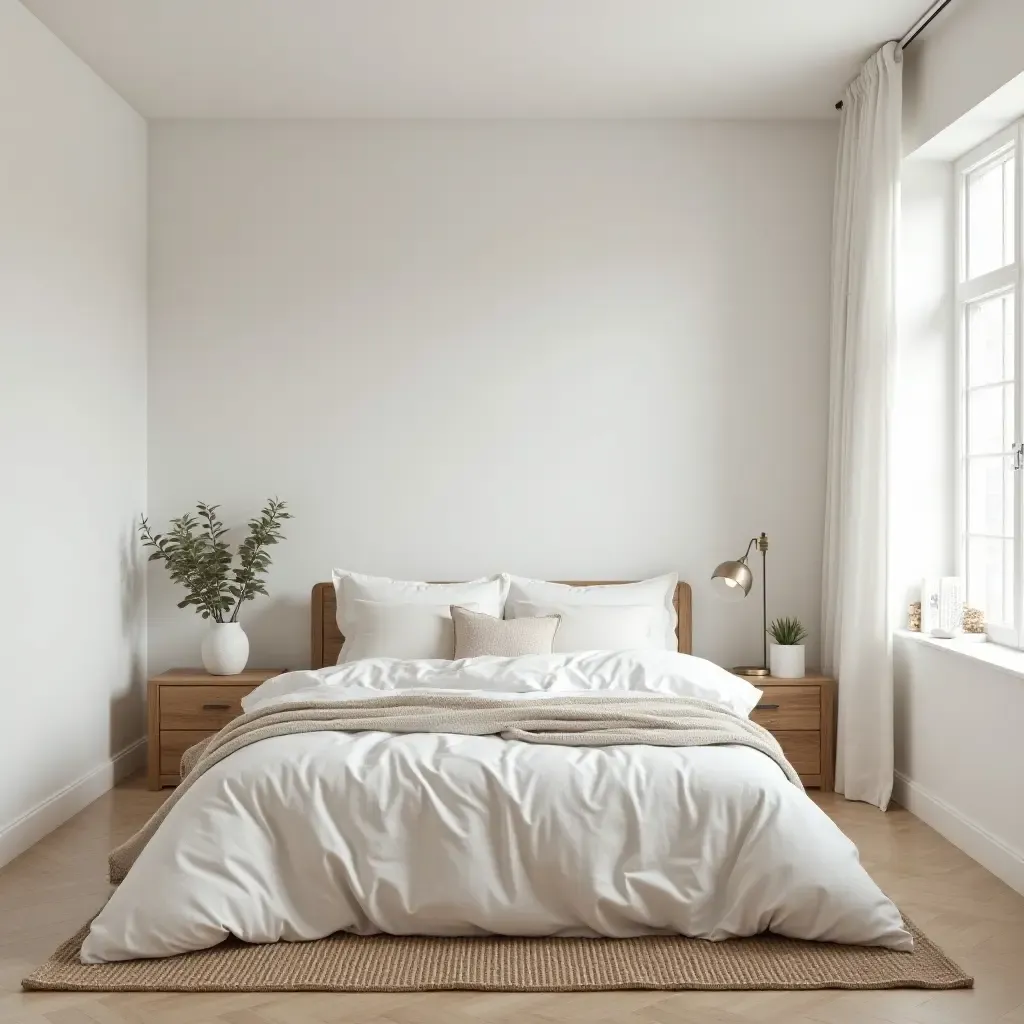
(299,836)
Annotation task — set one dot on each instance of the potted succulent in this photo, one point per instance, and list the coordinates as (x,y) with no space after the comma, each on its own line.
(786,652)
(197,556)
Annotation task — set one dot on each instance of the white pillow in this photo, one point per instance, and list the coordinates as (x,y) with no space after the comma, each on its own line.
(601,627)
(657,593)
(401,631)
(485,595)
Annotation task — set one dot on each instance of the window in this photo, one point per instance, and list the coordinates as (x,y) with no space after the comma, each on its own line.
(991,424)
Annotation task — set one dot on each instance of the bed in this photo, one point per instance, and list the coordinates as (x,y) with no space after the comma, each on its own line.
(379,817)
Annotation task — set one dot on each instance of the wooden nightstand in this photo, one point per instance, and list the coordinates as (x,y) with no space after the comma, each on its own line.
(801,715)
(186,704)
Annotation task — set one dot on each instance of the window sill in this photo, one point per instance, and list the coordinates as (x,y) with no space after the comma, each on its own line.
(1005,659)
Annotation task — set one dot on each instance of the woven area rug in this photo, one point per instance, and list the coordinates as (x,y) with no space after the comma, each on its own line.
(384,963)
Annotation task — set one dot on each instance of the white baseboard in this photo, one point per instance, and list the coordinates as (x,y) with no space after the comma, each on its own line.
(42,819)
(991,853)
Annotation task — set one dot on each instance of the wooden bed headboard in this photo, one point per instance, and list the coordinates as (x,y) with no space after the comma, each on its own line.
(327,638)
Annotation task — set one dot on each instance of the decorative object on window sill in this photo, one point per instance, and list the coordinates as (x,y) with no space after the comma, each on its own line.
(949,619)
(787,652)
(974,626)
(202,563)
(974,620)
(732,581)
(914,617)
(929,604)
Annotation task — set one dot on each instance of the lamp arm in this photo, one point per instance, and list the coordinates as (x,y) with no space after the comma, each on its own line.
(746,554)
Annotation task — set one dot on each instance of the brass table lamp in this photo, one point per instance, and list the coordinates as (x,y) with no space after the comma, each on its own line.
(732,581)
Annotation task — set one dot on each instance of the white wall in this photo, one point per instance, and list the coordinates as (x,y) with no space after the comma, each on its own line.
(959,758)
(72,429)
(570,349)
(971,51)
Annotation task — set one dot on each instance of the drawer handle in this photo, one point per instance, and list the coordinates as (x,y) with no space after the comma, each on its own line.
(767,707)
(217,707)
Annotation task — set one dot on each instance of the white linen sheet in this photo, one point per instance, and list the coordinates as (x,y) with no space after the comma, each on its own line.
(646,671)
(299,836)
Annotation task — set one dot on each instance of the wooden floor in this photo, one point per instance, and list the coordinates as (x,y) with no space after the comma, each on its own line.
(49,892)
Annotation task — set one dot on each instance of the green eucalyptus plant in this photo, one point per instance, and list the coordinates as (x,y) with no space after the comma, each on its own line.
(197,556)
(787,632)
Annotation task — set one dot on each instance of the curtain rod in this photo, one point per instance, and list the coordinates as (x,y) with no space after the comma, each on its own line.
(917,28)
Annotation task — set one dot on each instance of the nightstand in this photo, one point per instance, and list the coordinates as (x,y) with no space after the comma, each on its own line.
(801,715)
(187,704)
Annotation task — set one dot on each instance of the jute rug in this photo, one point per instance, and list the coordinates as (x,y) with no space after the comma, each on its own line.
(384,963)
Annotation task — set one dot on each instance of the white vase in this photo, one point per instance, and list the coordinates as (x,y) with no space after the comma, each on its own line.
(786,661)
(225,649)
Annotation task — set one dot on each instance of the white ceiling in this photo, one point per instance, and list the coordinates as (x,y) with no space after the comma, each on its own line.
(478,58)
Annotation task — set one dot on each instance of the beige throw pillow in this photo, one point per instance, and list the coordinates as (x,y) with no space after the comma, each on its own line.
(478,634)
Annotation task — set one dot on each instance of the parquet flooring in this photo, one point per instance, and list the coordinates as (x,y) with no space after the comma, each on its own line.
(47,893)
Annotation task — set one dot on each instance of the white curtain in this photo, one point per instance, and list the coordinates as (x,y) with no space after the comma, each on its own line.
(856,599)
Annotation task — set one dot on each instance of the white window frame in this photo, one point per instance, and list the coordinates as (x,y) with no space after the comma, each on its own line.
(989,285)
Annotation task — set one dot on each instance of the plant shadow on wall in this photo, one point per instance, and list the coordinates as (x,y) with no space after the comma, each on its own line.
(127,708)
(198,558)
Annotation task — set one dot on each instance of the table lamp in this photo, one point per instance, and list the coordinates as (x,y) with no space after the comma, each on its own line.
(732,581)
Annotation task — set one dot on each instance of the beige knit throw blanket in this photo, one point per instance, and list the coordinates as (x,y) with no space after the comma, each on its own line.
(573,720)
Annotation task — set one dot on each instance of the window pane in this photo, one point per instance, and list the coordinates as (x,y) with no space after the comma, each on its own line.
(1009,187)
(986,577)
(1008,391)
(1008,520)
(1008,582)
(985,421)
(990,340)
(989,211)
(987,480)
(1009,305)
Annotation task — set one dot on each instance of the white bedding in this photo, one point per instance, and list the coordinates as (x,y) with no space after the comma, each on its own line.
(299,836)
(637,671)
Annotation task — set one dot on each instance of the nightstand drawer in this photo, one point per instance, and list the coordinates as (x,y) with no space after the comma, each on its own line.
(802,750)
(186,704)
(788,707)
(174,743)
(801,715)
(200,707)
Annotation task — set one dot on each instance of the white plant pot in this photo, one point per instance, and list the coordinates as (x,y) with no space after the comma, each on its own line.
(786,661)
(225,649)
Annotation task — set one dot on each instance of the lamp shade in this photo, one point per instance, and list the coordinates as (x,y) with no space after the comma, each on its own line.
(732,580)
